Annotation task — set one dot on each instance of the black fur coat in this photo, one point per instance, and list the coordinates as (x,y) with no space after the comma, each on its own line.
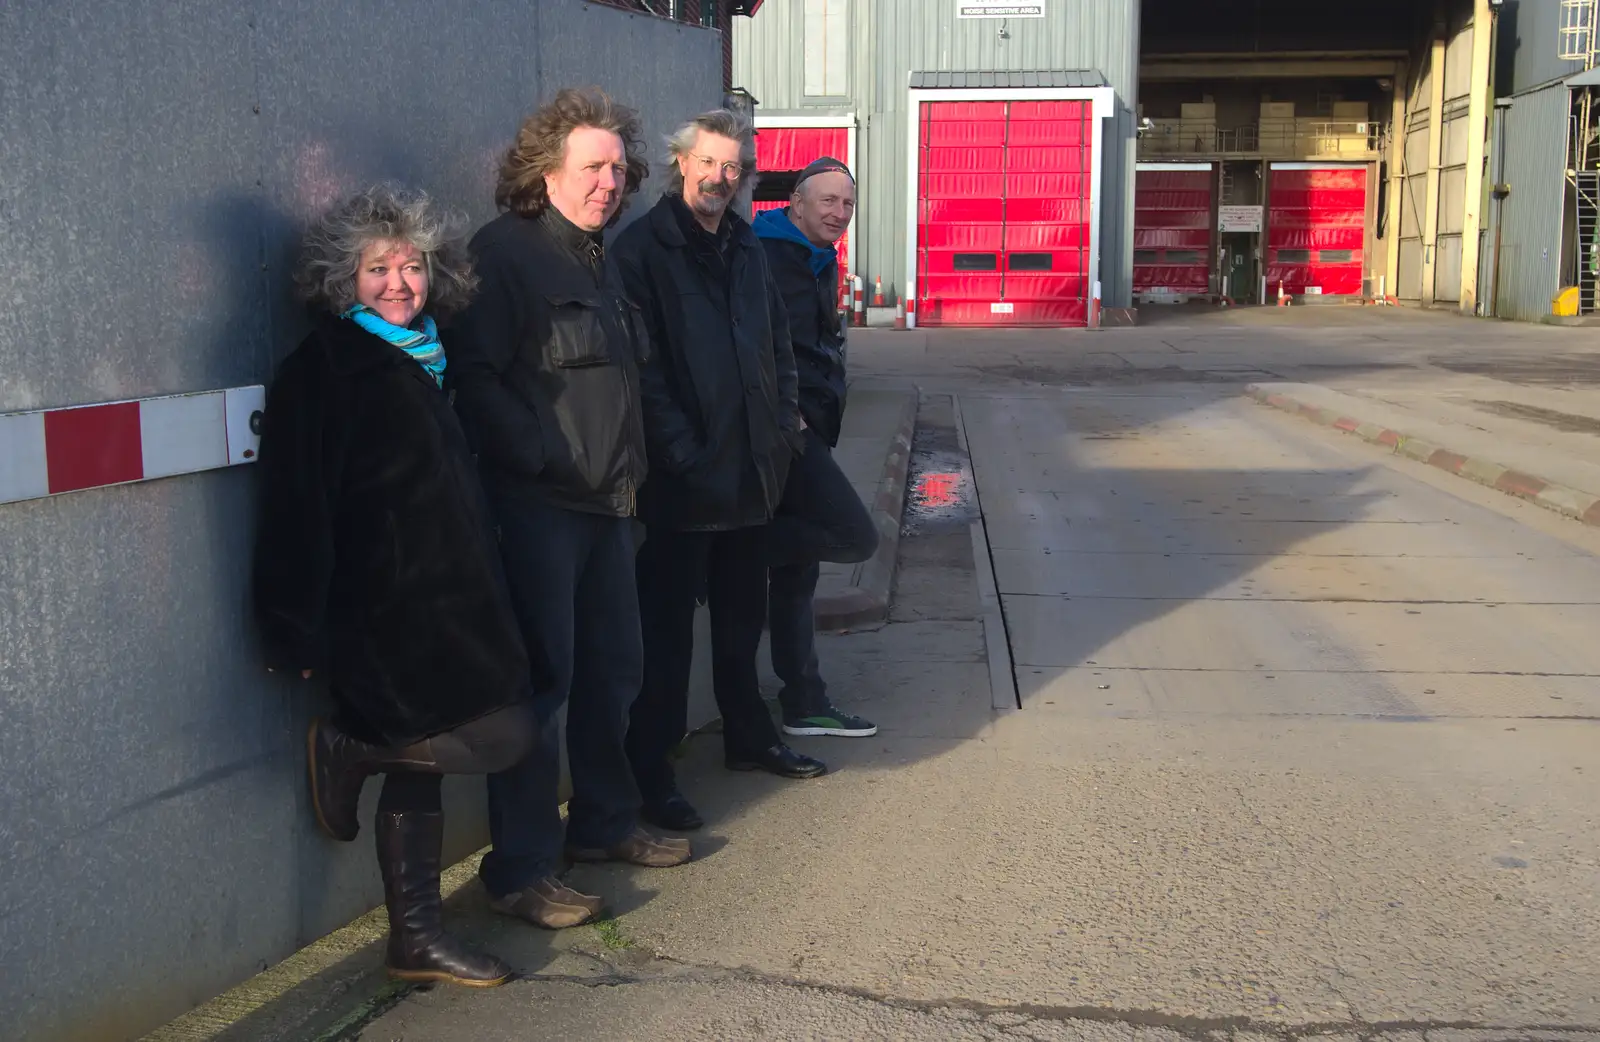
(376,563)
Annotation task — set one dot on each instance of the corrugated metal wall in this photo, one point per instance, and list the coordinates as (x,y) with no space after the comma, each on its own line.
(892,38)
(1534,154)
(1454,134)
(1416,157)
(155,161)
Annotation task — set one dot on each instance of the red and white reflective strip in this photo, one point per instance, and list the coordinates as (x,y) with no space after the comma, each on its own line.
(911,303)
(52,451)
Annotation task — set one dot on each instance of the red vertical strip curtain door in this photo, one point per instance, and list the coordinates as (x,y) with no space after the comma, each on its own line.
(1172,230)
(1003,209)
(1316,228)
(791,150)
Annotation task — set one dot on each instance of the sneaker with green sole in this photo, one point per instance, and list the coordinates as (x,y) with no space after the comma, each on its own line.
(829,721)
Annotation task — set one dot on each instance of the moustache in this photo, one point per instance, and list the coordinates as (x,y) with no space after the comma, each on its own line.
(716,188)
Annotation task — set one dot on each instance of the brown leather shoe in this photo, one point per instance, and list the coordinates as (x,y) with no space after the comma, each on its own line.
(642,847)
(549,903)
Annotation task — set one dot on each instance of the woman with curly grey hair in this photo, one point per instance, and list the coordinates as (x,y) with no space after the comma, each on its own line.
(376,563)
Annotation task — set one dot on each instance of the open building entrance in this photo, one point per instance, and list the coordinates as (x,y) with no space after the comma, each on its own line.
(1303,123)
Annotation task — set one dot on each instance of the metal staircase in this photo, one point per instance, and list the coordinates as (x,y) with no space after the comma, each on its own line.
(1587,183)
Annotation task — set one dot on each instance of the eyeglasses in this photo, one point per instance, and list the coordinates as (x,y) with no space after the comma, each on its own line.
(731,171)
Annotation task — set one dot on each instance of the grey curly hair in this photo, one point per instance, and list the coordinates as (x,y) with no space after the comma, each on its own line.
(331,250)
(722,122)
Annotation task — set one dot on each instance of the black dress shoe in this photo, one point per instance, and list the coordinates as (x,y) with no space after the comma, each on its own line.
(675,814)
(780,760)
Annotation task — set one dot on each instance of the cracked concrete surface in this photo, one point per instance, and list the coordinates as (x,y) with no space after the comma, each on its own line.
(1307,750)
(687,1003)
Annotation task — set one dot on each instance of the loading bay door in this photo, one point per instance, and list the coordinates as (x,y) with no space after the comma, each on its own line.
(1003,212)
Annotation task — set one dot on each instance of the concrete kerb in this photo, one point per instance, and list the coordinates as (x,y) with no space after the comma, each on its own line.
(867,600)
(1574,503)
(1003,694)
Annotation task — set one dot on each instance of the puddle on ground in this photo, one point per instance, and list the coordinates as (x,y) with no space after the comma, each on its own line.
(939,489)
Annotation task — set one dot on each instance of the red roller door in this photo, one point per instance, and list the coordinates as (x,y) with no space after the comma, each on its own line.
(1316,228)
(792,149)
(1172,230)
(1003,209)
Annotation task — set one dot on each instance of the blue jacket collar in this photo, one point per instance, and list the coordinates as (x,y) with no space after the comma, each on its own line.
(775,224)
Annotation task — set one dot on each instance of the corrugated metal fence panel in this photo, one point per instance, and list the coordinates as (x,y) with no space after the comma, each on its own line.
(1535,156)
(898,37)
(156,846)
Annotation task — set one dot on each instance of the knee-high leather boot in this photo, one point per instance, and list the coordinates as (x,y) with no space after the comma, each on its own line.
(338,764)
(409,845)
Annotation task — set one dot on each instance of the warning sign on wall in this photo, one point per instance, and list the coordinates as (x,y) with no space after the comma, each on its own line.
(998,9)
(1239,218)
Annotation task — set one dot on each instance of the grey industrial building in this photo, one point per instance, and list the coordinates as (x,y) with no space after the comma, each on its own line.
(1545,187)
(1233,151)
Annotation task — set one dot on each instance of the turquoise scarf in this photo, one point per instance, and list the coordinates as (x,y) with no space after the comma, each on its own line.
(422,345)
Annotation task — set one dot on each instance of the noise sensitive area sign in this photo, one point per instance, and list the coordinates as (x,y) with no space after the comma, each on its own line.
(998,9)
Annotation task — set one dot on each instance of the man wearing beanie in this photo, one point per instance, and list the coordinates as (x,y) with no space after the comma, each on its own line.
(820,517)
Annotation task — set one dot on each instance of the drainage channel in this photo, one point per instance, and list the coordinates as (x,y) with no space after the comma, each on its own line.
(942,501)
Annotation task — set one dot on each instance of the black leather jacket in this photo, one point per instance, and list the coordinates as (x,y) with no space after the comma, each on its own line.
(722,419)
(545,365)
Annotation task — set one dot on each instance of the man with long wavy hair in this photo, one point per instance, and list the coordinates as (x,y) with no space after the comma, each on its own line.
(547,384)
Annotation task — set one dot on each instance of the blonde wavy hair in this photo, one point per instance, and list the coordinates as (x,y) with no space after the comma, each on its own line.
(541,147)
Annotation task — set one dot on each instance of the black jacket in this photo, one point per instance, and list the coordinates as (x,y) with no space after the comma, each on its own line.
(718,386)
(375,561)
(815,329)
(544,363)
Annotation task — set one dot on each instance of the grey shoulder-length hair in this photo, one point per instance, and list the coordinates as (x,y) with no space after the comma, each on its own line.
(331,250)
(722,122)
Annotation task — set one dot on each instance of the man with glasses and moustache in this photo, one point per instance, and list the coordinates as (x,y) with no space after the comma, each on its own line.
(722,424)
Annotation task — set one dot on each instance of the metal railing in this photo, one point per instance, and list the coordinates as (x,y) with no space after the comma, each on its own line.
(1285,139)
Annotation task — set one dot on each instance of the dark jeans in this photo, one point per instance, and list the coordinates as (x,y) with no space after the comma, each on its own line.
(731,567)
(571,577)
(820,519)
(490,743)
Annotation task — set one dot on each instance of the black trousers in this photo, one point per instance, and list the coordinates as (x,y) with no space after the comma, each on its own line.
(490,743)
(731,568)
(820,519)
(572,584)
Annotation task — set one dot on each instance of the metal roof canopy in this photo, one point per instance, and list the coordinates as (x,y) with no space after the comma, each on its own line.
(1587,78)
(1006,80)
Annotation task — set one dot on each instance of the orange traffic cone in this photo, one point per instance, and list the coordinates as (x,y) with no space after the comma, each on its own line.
(877,293)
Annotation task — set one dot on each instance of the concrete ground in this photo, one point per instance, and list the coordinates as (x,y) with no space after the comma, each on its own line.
(1306,746)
